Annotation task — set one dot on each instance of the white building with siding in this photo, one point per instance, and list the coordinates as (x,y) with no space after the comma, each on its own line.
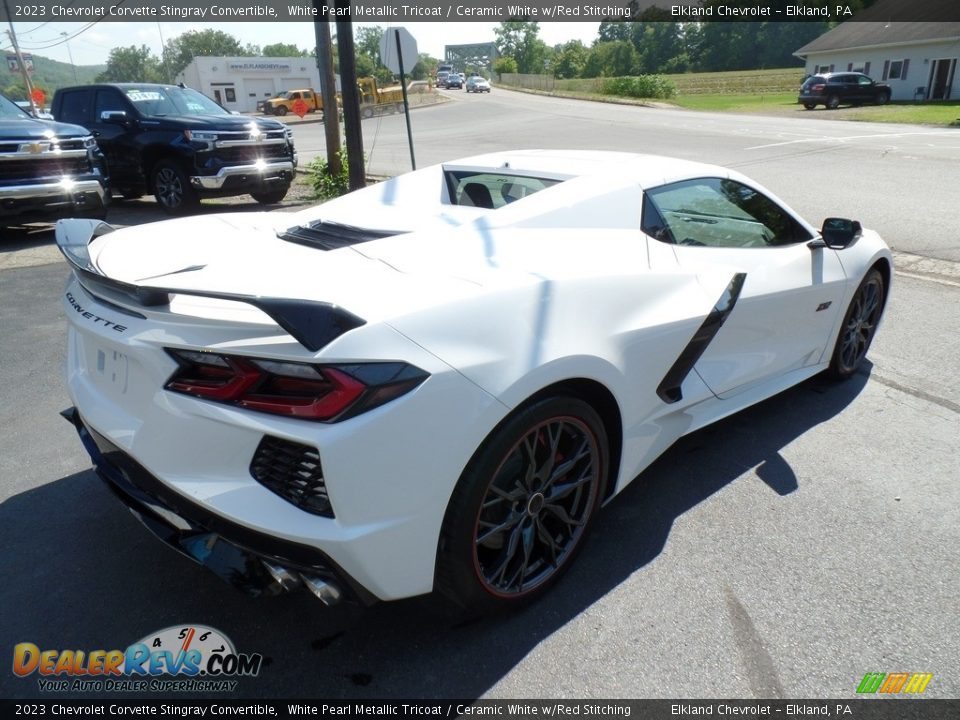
(238,83)
(917,59)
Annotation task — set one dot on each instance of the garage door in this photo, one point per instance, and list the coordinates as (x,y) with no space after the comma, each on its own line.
(256,89)
(295,83)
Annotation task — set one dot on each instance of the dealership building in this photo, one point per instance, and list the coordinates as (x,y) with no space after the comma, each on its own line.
(238,83)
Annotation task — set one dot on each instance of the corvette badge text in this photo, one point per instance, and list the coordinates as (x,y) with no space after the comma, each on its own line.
(96,318)
(191,658)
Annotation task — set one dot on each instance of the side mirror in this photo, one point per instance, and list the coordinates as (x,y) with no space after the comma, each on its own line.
(116,117)
(838,233)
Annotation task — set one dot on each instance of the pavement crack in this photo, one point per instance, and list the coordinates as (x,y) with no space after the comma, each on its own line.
(923,395)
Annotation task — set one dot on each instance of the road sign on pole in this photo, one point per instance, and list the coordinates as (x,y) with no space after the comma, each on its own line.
(398,51)
(394,38)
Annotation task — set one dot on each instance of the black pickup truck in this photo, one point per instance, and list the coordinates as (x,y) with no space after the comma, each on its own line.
(180,145)
(48,170)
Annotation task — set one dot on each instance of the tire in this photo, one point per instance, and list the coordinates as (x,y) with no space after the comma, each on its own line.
(503,542)
(809,105)
(859,327)
(833,102)
(883,98)
(281,110)
(271,197)
(171,188)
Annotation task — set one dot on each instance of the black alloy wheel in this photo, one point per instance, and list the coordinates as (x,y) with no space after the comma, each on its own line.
(859,326)
(833,102)
(520,513)
(809,105)
(883,98)
(171,188)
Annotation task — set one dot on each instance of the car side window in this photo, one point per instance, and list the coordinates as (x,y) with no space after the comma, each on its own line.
(717,212)
(75,107)
(864,80)
(108,100)
(492,190)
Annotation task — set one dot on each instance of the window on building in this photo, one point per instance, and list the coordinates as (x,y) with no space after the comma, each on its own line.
(231,95)
(896,69)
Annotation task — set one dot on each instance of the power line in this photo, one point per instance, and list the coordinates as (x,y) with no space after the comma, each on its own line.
(53,44)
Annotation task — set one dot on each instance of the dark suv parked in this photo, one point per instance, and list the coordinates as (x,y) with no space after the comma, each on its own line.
(48,170)
(843,88)
(180,145)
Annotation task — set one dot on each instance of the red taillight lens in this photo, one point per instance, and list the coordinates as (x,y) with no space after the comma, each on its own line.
(313,392)
(818,88)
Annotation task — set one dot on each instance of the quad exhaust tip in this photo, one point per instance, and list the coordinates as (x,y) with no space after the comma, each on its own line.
(284,578)
(326,591)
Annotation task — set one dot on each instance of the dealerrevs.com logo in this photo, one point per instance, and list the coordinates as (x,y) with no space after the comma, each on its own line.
(187,658)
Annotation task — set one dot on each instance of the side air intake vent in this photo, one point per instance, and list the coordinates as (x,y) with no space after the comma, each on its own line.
(293,472)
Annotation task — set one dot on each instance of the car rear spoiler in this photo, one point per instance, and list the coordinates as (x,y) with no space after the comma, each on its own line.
(311,323)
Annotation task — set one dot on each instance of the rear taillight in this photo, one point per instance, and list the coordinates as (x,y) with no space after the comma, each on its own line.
(301,390)
(818,88)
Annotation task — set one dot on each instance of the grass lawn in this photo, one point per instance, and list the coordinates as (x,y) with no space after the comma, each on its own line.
(936,113)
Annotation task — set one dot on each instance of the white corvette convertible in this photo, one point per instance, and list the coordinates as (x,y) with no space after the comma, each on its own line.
(436,382)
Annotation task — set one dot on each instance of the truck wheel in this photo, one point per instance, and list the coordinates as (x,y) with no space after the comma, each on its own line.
(271,197)
(282,110)
(171,188)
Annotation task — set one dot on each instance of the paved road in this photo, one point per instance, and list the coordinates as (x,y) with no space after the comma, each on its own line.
(783,552)
(902,179)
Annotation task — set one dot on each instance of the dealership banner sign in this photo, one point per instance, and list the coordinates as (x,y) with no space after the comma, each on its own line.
(481,10)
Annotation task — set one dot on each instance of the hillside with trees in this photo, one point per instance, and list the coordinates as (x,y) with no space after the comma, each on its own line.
(48,75)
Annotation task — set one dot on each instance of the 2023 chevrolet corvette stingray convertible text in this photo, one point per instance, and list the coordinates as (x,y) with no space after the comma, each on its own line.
(436,382)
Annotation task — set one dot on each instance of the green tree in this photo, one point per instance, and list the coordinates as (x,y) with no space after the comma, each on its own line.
(520,41)
(504,65)
(569,59)
(367,42)
(283,50)
(425,67)
(612,59)
(179,51)
(131,64)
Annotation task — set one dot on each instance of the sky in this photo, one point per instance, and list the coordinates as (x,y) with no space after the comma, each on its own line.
(92,45)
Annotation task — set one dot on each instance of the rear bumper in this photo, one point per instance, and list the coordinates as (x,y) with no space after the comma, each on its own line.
(236,554)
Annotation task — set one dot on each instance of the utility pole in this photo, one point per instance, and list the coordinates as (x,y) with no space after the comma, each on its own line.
(23,65)
(66,39)
(328,87)
(351,98)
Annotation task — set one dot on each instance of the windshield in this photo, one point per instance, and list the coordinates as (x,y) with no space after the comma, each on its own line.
(285,95)
(159,101)
(9,111)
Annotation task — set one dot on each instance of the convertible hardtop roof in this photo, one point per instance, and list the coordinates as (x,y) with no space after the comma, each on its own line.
(567,164)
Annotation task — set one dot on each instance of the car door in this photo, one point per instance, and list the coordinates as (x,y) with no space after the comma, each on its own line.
(866,89)
(115,139)
(781,310)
